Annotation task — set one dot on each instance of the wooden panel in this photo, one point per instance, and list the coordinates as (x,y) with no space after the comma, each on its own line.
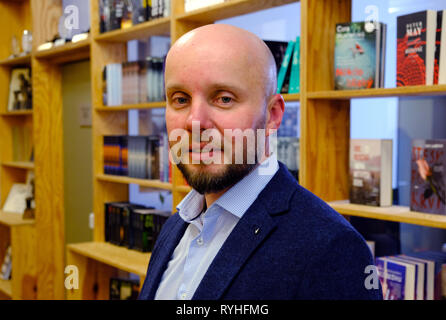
(19,61)
(158,27)
(11,19)
(5,289)
(393,213)
(12,220)
(24,266)
(325,124)
(46,15)
(141,182)
(138,106)
(8,177)
(69,52)
(47,104)
(19,165)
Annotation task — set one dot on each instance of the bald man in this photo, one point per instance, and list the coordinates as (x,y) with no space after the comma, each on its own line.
(247,230)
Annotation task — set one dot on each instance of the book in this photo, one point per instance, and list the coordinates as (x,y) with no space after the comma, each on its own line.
(429,275)
(20,91)
(397,279)
(284,69)
(440,48)
(359,52)
(416,33)
(428,176)
(147,224)
(6,267)
(294,86)
(371,172)
(16,200)
(419,275)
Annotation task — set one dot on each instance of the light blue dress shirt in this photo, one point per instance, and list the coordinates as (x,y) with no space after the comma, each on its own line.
(207,232)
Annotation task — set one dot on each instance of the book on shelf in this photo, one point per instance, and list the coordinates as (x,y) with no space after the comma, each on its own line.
(294,81)
(124,289)
(397,278)
(16,200)
(359,59)
(20,92)
(142,157)
(133,82)
(6,267)
(416,42)
(371,172)
(440,46)
(419,275)
(283,75)
(191,5)
(428,268)
(133,226)
(122,14)
(428,176)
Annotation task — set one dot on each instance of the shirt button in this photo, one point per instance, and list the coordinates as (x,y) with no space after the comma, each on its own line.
(183,296)
(200,241)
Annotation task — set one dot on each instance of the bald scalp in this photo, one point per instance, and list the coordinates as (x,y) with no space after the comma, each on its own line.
(252,53)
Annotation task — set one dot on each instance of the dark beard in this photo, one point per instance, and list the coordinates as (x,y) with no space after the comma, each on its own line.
(211,182)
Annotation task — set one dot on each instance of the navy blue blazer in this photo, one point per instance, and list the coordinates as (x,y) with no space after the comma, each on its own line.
(303,250)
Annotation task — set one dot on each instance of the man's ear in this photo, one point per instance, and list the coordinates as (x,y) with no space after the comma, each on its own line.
(275,110)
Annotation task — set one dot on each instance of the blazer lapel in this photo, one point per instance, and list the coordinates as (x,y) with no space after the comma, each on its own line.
(166,247)
(256,224)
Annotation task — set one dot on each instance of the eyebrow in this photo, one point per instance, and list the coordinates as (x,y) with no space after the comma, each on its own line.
(215,86)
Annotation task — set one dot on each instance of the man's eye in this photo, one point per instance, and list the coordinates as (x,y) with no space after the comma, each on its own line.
(225,100)
(180,100)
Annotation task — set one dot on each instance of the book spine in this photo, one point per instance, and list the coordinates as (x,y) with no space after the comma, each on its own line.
(284,67)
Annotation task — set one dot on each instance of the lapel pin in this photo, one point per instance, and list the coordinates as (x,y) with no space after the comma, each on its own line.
(256,230)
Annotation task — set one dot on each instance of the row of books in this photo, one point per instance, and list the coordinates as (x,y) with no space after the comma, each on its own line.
(133,82)
(124,289)
(359,60)
(121,14)
(133,226)
(142,157)
(371,174)
(418,276)
(287,58)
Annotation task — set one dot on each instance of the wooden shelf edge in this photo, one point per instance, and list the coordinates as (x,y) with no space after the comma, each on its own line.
(139,106)
(143,30)
(118,257)
(141,182)
(183,189)
(19,165)
(69,52)
(229,9)
(291,96)
(14,219)
(18,61)
(6,287)
(18,113)
(393,213)
(377,93)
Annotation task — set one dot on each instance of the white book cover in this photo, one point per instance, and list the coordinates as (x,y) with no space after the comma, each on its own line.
(429,276)
(419,276)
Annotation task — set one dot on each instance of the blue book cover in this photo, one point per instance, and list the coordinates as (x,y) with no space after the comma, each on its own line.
(357,55)
(397,279)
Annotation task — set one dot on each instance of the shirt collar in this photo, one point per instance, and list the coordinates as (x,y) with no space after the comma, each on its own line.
(238,198)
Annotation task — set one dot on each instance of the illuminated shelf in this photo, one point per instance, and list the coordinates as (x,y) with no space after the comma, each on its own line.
(378,93)
(393,213)
(119,257)
(157,27)
(141,182)
(229,9)
(13,219)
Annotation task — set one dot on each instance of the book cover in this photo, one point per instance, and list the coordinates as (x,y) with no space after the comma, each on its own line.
(357,58)
(419,275)
(20,92)
(284,68)
(429,275)
(416,34)
(294,86)
(371,172)
(428,176)
(439,259)
(397,279)
(278,49)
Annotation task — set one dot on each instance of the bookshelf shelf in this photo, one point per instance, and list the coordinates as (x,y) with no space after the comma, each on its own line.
(14,219)
(6,287)
(141,182)
(291,97)
(119,257)
(18,61)
(157,27)
(18,113)
(394,213)
(19,165)
(139,106)
(183,189)
(69,52)
(229,9)
(377,93)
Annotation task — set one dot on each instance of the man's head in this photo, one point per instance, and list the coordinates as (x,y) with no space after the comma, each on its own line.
(225,78)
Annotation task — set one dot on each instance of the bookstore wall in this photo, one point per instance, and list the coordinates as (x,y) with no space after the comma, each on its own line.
(364,84)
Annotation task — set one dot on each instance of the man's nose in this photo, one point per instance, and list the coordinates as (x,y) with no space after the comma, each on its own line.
(199,111)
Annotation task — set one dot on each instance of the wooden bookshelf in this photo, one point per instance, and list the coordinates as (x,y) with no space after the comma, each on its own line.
(394,213)
(17,113)
(66,53)
(141,182)
(17,61)
(138,106)
(6,288)
(14,219)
